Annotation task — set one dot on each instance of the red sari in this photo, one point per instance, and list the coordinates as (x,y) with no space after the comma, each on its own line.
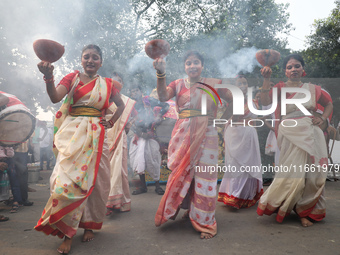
(193,147)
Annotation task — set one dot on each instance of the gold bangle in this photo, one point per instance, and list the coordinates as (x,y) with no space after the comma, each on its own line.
(160,75)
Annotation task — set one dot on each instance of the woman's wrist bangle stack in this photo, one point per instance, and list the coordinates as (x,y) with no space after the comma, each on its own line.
(160,75)
(50,80)
(111,123)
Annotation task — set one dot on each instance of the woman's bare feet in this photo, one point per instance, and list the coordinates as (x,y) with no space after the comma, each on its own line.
(65,247)
(186,215)
(88,235)
(305,222)
(206,235)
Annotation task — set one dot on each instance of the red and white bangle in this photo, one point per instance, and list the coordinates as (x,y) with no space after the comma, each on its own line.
(111,123)
(50,80)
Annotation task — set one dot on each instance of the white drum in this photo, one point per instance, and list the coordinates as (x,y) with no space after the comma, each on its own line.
(17,124)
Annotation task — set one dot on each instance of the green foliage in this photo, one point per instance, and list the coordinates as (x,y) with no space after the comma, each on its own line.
(322,55)
(323,52)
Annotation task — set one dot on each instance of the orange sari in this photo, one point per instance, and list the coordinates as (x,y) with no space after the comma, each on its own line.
(193,145)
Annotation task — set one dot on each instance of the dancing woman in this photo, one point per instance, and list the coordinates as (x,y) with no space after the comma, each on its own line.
(302,150)
(80,181)
(241,189)
(119,196)
(193,147)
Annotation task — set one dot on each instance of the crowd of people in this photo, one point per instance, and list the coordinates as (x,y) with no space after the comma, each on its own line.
(90,178)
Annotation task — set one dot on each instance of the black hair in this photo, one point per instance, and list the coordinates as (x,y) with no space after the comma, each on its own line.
(136,85)
(114,73)
(93,46)
(240,75)
(194,53)
(294,56)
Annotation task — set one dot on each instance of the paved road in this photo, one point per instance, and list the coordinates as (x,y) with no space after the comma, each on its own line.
(239,231)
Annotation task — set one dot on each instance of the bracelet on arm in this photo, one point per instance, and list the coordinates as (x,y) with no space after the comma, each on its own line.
(323,118)
(160,75)
(50,80)
(111,123)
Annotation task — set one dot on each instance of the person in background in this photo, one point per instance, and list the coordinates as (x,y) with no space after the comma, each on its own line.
(20,161)
(144,149)
(45,144)
(80,181)
(241,189)
(3,165)
(119,196)
(3,168)
(6,156)
(35,150)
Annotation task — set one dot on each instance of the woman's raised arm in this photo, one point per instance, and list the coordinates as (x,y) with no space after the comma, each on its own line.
(55,94)
(164,93)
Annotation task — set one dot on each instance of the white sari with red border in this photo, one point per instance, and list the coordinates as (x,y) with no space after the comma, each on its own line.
(79,183)
(303,156)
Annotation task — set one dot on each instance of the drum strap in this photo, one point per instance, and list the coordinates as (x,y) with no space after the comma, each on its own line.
(189,113)
(86,111)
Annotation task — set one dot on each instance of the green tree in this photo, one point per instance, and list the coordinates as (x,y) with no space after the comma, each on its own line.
(322,56)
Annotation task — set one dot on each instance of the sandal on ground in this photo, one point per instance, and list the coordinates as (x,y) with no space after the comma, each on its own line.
(139,191)
(159,191)
(15,208)
(3,218)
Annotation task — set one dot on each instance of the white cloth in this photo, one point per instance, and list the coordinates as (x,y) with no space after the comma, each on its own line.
(242,150)
(145,156)
(242,185)
(47,141)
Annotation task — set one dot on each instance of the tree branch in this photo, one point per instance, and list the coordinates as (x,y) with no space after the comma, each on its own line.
(139,14)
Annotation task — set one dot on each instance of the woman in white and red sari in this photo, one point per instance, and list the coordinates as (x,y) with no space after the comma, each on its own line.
(119,196)
(303,152)
(242,189)
(193,147)
(80,181)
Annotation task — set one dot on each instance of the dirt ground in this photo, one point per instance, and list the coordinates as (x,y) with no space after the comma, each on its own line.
(239,231)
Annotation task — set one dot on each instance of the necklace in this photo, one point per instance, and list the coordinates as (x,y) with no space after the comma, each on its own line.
(187,82)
